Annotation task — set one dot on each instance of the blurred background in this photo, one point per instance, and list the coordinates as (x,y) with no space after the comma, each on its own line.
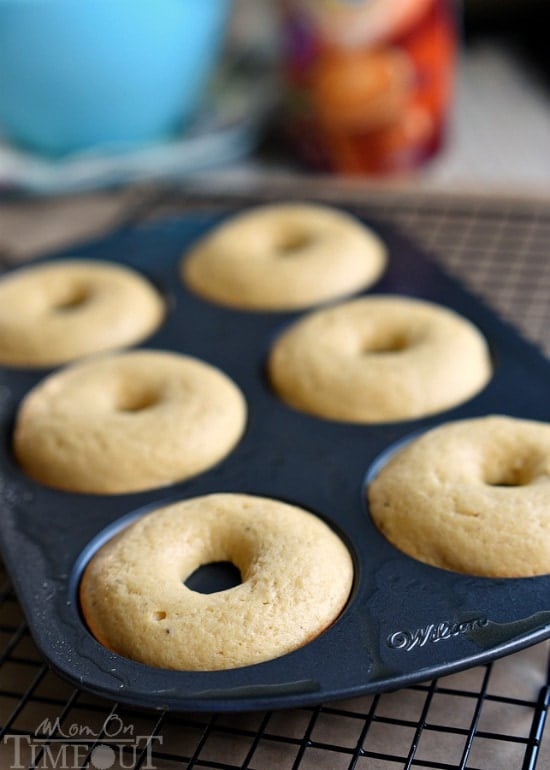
(435,93)
(498,133)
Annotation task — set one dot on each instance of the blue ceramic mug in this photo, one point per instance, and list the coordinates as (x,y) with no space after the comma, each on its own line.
(81,74)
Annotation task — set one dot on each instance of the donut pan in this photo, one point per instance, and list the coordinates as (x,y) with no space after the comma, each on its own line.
(405,621)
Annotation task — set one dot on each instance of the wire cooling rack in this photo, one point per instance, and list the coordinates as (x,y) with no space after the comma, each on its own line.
(488,718)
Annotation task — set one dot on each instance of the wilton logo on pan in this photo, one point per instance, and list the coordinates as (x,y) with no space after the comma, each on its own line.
(433,632)
(67,747)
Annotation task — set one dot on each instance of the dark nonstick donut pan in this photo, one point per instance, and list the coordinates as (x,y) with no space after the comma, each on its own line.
(405,621)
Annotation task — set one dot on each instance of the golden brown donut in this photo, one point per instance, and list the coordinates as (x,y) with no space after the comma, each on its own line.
(128,422)
(296,578)
(379,359)
(471,496)
(58,311)
(284,257)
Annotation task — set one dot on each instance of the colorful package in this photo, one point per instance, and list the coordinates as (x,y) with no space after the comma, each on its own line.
(369,82)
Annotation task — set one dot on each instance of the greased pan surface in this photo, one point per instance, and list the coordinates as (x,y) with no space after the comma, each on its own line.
(405,621)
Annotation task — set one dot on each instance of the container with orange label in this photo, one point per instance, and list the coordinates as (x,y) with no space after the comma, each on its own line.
(369,82)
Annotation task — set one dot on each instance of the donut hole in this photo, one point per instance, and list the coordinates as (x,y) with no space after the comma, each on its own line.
(392,341)
(73,298)
(509,476)
(214,577)
(514,468)
(136,400)
(292,242)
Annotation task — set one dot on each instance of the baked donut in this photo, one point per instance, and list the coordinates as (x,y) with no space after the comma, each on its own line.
(58,311)
(127,422)
(470,496)
(296,578)
(284,257)
(379,359)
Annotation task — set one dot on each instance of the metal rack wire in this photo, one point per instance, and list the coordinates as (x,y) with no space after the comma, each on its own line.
(488,718)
